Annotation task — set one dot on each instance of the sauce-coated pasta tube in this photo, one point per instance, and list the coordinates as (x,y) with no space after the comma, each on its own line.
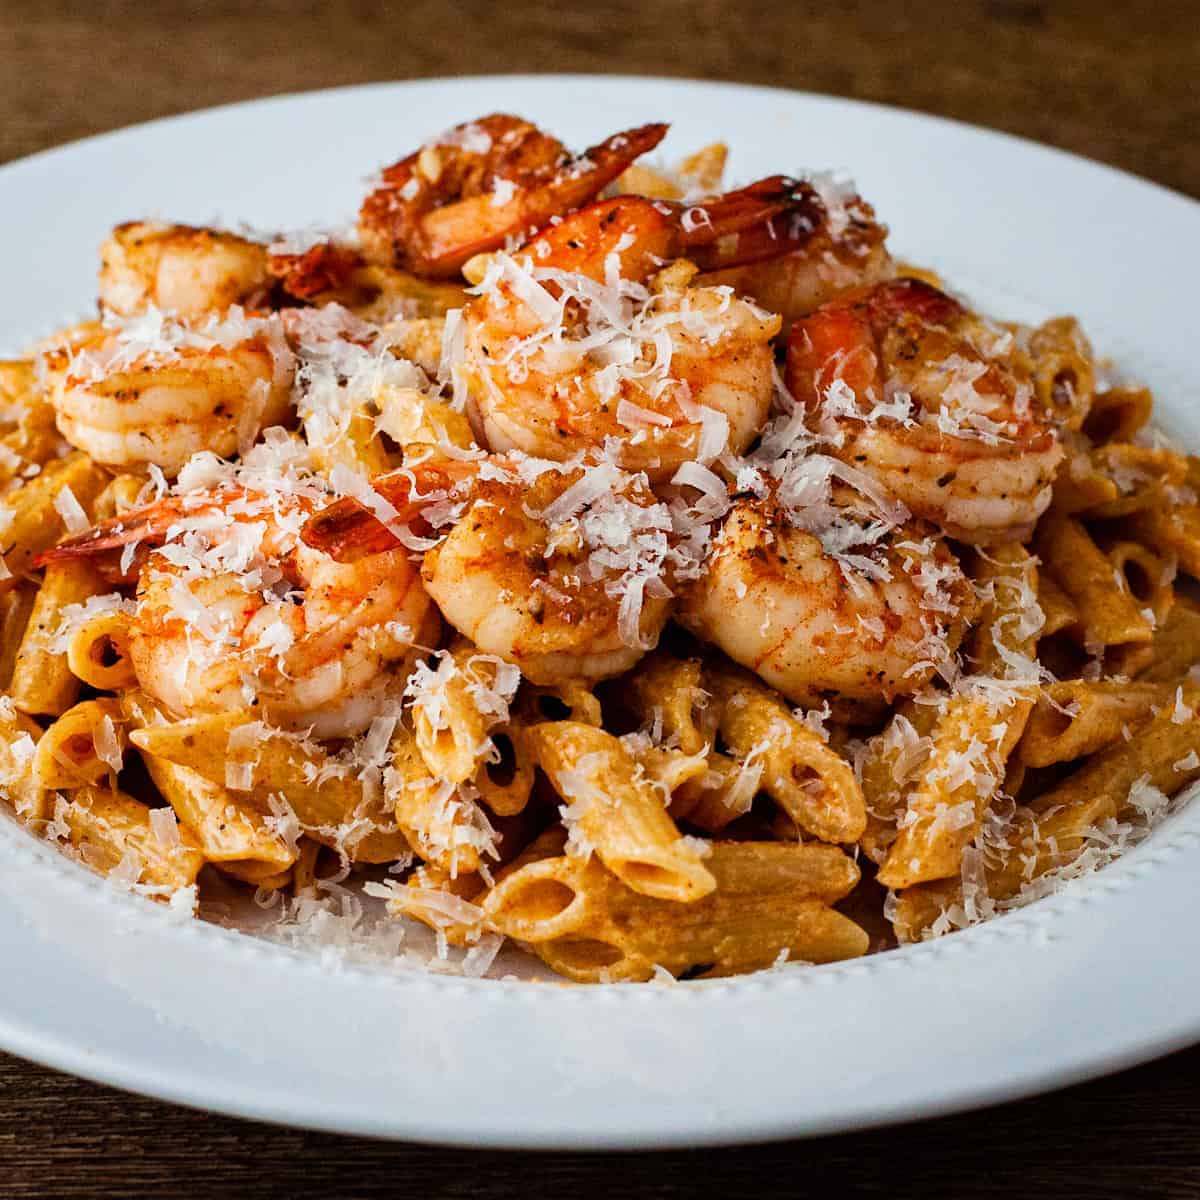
(1163,753)
(16,606)
(330,801)
(439,818)
(615,811)
(31,517)
(1176,645)
(86,744)
(98,652)
(1108,614)
(1076,717)
(229,827)
(1173,531)
(813,784)
(19,788)
(668,694)
(42,681)
(770,899)
(114,832)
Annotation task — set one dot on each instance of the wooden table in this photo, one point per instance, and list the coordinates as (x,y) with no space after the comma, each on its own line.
(1115,82)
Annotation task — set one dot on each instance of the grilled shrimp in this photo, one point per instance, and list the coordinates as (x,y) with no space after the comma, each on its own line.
(480,184)
(564,570)
(179,269)
(566,349)
(907,384)
(834,244)
(829,598)
(232,610)
(156,390)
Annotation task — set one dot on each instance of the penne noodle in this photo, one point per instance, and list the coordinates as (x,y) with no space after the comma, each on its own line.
(970,743)
(84,746)
(119,495)
(615,811)
(1163,753)
(119,836)
(42,680)
(771,900)
(1077,717)
(455,708)
(1058,609)
(329,801)
(229,827)
(30,522)
(439,818)
(505,783)
(813,784)
(98,652)
(1108,614)
(1064,377)
(19,787)
(1176,645)
(16,607)
(668,695)
(1117,414)
(1172,532)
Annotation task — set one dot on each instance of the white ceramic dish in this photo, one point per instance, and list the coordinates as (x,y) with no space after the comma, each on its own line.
(1096,978)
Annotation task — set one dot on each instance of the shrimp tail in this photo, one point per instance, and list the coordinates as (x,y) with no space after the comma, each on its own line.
(767,219)
(324,267)
(348,530)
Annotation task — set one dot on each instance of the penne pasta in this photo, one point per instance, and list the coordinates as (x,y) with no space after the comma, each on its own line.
(328,800)
(1116,414)
(83,747)
(30,517)
(771,901)
(99,653)
(1176,645)
(614,811)
(813,784)
(439,818)
(1076,717)
(1108,614)
(120,837)
(19,787)
(42,680)
(228,827)
(1172,532)
(1163,753)
(16,607)
(668,695)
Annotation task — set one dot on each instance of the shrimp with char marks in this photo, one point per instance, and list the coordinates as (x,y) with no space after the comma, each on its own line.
(828,593)
(233,610)
(907,384)
(187,271)
(482,183)
(566,349)
(154,390)
(566,570)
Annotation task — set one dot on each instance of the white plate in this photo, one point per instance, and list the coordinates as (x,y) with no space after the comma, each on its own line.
(1099,977)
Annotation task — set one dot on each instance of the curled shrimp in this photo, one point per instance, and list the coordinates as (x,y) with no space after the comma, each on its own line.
(564,570)
(233,611)
(833,243)
(180,269)
(906,383)
(154,389)
(482,183)
(566,348)
(827,598)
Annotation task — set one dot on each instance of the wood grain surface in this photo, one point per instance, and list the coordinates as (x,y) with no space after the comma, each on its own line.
(1117,82)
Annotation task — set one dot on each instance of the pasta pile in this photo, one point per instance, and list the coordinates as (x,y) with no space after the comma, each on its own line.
(664,581)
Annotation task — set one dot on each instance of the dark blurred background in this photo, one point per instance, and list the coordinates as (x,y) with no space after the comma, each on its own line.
(1118,82)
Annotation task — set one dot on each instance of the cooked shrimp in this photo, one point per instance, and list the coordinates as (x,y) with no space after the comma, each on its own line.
(907,384)
(835,244)
(155,390)
(566,349)
(828,597)
(482,183)
(330,273)
(233,611)
(179,269)
(565,570)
